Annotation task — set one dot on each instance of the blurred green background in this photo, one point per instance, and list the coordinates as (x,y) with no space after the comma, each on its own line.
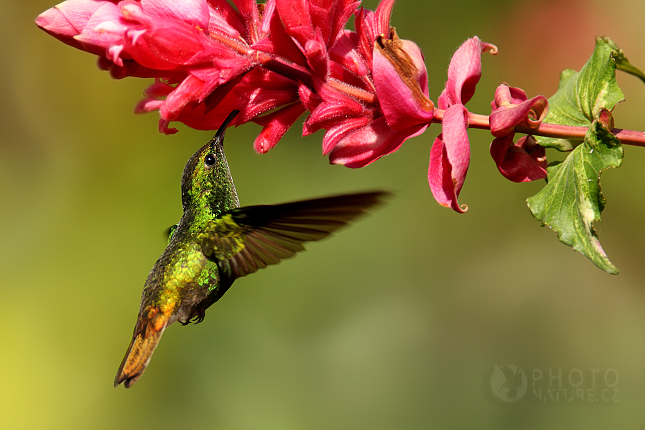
(395,323)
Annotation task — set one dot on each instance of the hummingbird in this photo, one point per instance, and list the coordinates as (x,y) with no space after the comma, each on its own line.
(216,241)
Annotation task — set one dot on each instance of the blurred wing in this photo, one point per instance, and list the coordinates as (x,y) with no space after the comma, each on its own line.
(246,239)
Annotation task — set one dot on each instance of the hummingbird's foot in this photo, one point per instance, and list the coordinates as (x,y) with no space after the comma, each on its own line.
(197,317)
(201,314)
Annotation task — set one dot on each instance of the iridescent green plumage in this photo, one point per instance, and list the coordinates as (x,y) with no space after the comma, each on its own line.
(216,242)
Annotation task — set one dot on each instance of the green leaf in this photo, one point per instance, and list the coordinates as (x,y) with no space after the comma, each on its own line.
(582,95)
(571,201)
(622,63)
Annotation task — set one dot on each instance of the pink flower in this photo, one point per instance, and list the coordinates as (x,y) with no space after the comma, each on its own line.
(198,50)
(450,153)
(395,105)
(366,88)
(69,19)
(272,62)
(525,160)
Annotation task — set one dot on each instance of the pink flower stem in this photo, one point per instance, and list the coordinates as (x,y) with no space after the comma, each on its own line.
(626,137)
(630,137)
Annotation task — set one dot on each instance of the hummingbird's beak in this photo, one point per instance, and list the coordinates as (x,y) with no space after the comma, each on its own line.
(219,136)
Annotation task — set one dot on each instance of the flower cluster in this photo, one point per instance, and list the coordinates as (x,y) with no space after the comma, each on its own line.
(274,62)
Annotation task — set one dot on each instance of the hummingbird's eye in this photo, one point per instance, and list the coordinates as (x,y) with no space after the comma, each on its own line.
(209,160)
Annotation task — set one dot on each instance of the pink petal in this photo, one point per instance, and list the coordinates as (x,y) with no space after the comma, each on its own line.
(158,90)
(511,108)
(402,94)
(296,17)
(163,127)
(148,105)
(161,43)
(331,17)
(186,92)
(308,98)
(262,90)
(276,125)
(193,12)
(114,54)
(449,159)
(465,70)
(249,11)
(367,144)
(335,106)
(280,42)
(335,133)
(366,28)
(349,79)
(132,68)
(68,19)
(204,117)
(95,38)
(383,13)
(221,71)
(267,17)
(317,57)
(225,20)
(345,53)
(416,55)
(443,102)
(506,95)
(222,99)
(267,100)
(521,162)
(301,18)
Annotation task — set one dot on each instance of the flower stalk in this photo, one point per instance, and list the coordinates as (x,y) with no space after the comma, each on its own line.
(482,122)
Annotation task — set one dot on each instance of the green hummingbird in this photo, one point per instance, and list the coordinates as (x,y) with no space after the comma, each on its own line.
(217,241)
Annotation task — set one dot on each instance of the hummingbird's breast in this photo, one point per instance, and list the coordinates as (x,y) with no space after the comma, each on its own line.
(180,280)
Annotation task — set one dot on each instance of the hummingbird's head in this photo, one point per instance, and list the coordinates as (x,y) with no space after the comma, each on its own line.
(206,181)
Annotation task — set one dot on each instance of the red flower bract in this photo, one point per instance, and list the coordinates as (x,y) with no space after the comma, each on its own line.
(450,153)
(525,160)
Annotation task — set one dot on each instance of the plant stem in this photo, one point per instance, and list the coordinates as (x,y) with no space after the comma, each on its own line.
(626,137)
(629,137)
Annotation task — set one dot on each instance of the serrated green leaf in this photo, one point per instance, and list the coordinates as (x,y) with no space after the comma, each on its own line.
(622,63)
(582,95)
(571,201)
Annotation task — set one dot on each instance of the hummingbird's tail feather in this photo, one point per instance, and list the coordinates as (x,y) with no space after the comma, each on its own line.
(146,337)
